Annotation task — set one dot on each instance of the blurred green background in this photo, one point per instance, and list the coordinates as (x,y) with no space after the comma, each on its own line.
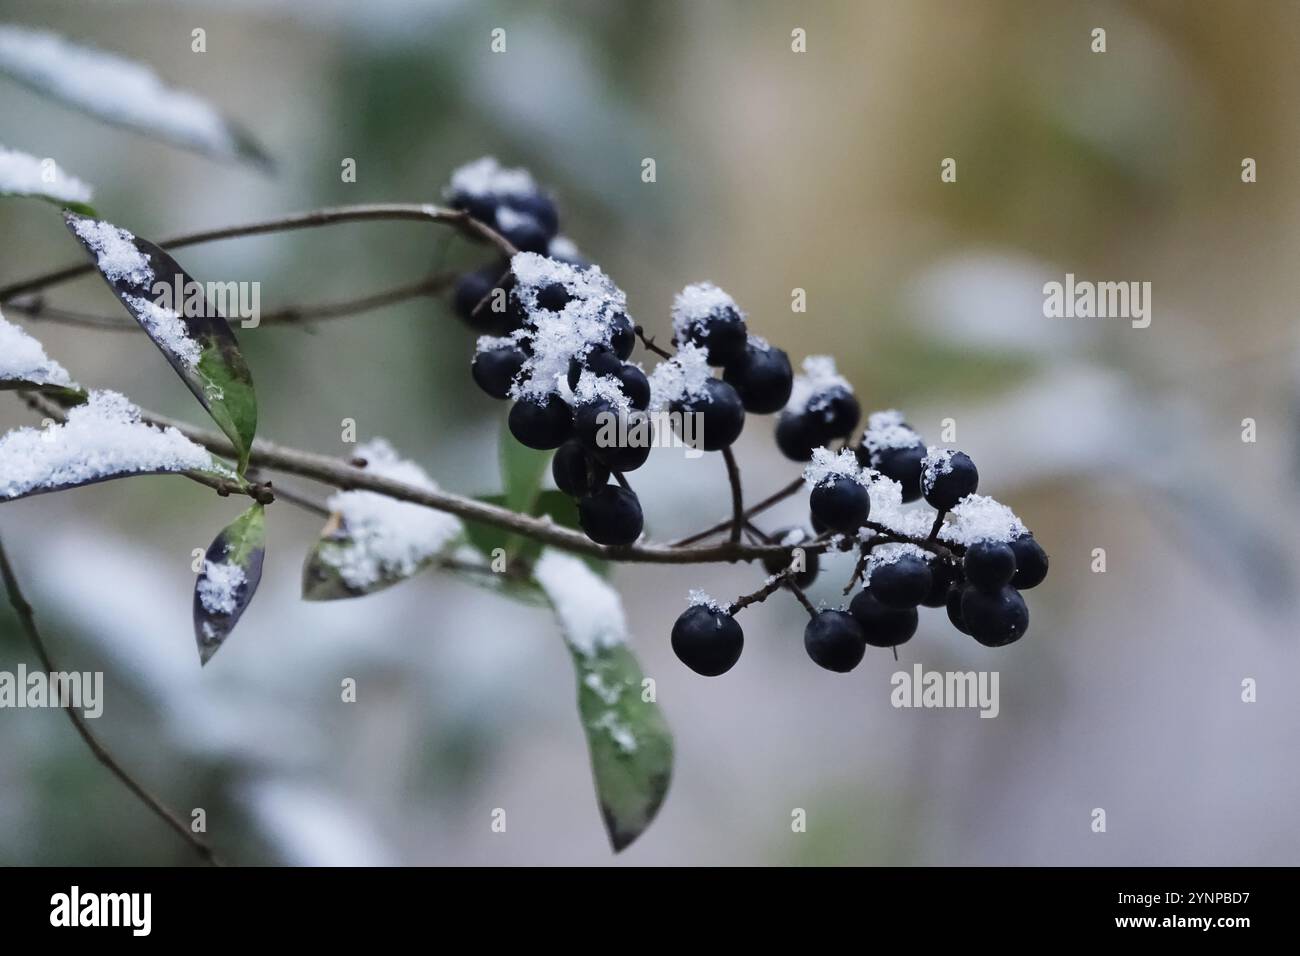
(776,171)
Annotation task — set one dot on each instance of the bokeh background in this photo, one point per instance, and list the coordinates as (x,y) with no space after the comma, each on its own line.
(775,170)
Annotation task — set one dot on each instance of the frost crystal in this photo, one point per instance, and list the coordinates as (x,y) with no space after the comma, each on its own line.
(112,87)
(886,430)
(168,329)
(101,439)
(886,554)
(937,462)
(981,518)
(699,598)
(888,510)
(24,175)
(23,359)
(811,389)
(386,537)
(115,251)
(827,464)
(218,589)
(589,610)
(695,303)
(680,378)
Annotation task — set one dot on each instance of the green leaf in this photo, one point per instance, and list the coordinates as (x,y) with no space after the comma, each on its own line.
(629,741)
(122,92)
(27,368)
(173,310)
(522,469)
(232,569)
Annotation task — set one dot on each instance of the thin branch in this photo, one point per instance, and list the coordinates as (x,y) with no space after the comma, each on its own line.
(801,597)
(28,618)
(737,497)
(466,224)
(773,585)
(775,498)
(649,343)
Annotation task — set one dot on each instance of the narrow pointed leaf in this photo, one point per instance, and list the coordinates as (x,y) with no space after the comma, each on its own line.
(173,310)
(371,541)
(122,92)
(232,569)
(630,744)
(24,175)
(102,439)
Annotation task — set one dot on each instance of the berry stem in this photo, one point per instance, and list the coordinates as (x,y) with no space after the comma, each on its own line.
(772,585)
(938,523)
(775,498)
(649,343)
(737,497)
(618,476)
(802,598)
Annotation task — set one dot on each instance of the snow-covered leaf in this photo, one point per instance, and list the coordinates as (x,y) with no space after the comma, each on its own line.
(372,541)
(232,568)
(630,743)
(24,365)
(174,311)
(25,175)
(122,92)
(102,439)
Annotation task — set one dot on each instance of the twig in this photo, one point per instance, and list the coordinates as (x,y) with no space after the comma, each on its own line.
(737,498)
(28,619)
(802,598)
(773,585)
(468,225)
(649,343)
(772,499)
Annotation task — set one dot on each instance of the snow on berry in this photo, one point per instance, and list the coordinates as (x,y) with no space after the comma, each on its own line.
(937,461)
(115,251)
(700,598)
(886,430)
(25,175)
(981,518)
(600,388)
(680,378)
(387,538)
(827,465)
(167,328)
(23,359)
(590,611)
(490,343)
(810,389)
(485,177)
(219,586)
(888,510)
(101,439)
(886,554)
(695,304)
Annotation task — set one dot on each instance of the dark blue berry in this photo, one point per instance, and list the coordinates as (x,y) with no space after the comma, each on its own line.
(994,619)
(943,575)
(989,565)
(722,416)
(834,640)
(611,516)
(635,385)
(471,289)
(953,603)
(959,480)
(576,472)
(622,336)
(722,334)
(553,297)
(707,641)
(901,464)
(882,626)
(522,229)
(797,435)
(600,360)
(1031,563)
(841,504)
(903,583)
(494,369)
(620,439)
(543,425)
(810,559)
(541,207)
(481,207)
(835,413)
(762,377)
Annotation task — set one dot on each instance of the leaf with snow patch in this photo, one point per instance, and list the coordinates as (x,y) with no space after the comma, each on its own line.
(25,366)
(173,310)
(101,439)
(122,92)
(23,175)
(232,569)
(372,541)
(630,743)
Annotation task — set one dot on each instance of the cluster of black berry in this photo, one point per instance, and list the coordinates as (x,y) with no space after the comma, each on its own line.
(975,565)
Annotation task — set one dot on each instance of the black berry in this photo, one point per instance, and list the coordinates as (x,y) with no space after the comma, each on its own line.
(901,464)
(947,480)
(989,565)
(540,207)
(903,583)
(943,576)
(494,369)
(841,504)
(622,336)
(707,641)
(762,377)
(835,413)
(994,619)
(1031,563)
(882,626)
(543,424)
(600,360)
(953,603)
(810,558)
(553,297)
(635,385)
(521,228)
(576,472)
(722,416)
(611,516)
(797,435)
(722,334)
(834,640)
(621,439)
(470,290)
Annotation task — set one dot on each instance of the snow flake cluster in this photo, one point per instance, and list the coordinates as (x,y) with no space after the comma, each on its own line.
(816,385)
(23,359)
(589,610)
(981,518)
(115,251)
(696,304)
(886,430)
(25,175)
(219,587)
(682,377)
(827,465)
